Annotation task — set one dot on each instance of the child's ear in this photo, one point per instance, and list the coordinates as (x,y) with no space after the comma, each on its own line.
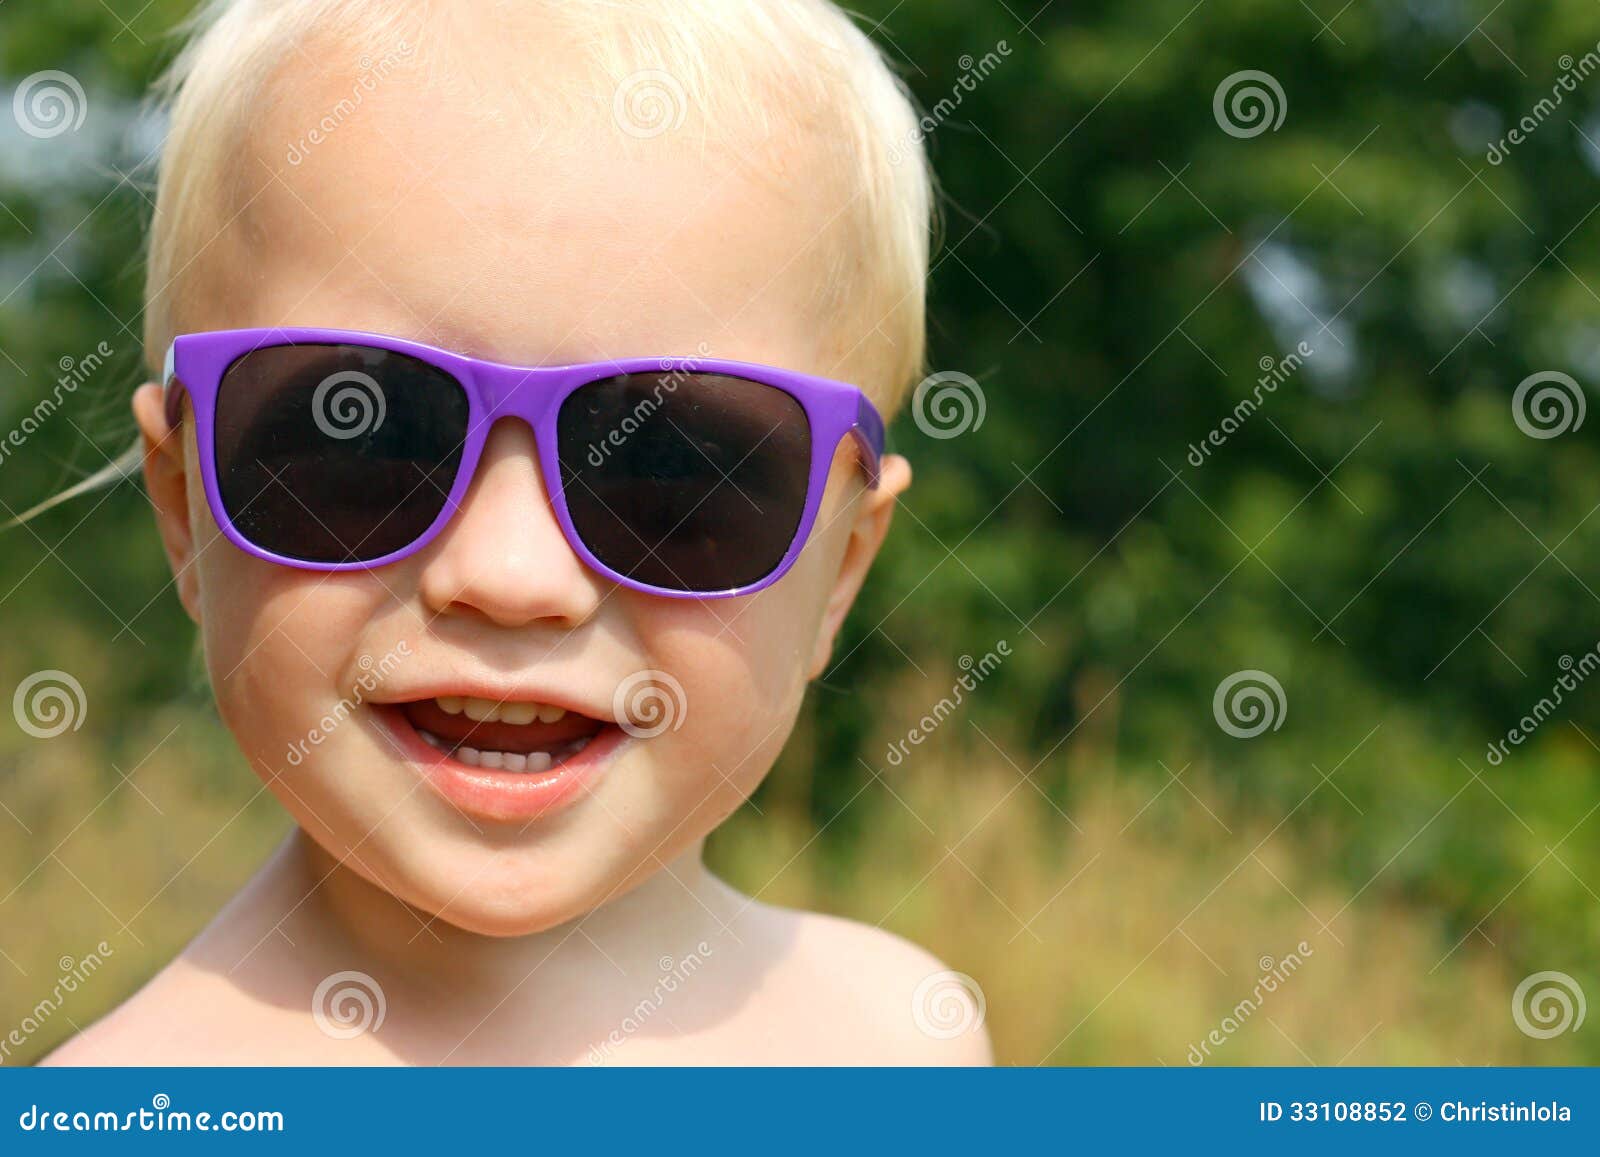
(866,536)
(167,481)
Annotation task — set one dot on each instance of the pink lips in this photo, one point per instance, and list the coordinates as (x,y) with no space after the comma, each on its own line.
(504,796)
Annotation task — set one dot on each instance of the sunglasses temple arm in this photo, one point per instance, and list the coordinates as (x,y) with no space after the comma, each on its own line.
(868,433)
(173,389)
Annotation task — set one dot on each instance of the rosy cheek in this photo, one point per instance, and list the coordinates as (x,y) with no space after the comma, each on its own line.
(737,650)
(278,639)
(735,664)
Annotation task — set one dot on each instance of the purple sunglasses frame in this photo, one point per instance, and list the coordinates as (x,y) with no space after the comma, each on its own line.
(196,364)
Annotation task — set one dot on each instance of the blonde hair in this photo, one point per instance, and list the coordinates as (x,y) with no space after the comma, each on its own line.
(746,67)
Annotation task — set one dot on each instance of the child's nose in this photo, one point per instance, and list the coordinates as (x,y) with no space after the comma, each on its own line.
(503,555)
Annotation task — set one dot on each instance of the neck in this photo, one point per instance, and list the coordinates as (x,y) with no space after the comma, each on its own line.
(350,919)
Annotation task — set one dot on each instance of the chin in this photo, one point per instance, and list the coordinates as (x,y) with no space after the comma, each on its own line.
(498,924)
(509,899)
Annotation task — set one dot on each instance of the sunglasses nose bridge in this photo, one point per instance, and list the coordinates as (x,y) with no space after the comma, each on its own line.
(526,392)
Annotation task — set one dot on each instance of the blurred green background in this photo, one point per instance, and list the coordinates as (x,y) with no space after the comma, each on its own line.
(1382,537)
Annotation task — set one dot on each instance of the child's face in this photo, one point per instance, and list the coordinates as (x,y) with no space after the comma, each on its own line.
(421,216)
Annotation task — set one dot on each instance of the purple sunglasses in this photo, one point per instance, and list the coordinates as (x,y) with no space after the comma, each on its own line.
(685,477)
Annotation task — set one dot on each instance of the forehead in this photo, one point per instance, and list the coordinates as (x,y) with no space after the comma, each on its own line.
(477,217)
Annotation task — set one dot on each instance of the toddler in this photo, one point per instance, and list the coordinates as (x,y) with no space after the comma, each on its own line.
(515,433)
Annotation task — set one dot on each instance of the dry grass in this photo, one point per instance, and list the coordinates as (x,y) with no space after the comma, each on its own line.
(1127,933)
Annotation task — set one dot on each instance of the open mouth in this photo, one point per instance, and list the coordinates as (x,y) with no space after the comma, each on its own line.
(515,737)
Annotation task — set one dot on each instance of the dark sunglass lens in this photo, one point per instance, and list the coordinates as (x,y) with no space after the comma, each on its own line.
(689,482)
(336,453)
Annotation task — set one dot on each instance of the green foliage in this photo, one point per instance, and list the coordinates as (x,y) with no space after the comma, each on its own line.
(1411,593)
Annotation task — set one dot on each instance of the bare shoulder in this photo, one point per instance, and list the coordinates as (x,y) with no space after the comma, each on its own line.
(183,1016)
(888,1001)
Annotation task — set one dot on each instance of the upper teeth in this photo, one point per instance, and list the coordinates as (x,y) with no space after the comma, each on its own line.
(492,711)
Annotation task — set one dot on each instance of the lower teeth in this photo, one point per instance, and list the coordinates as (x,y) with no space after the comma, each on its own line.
(533,761)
